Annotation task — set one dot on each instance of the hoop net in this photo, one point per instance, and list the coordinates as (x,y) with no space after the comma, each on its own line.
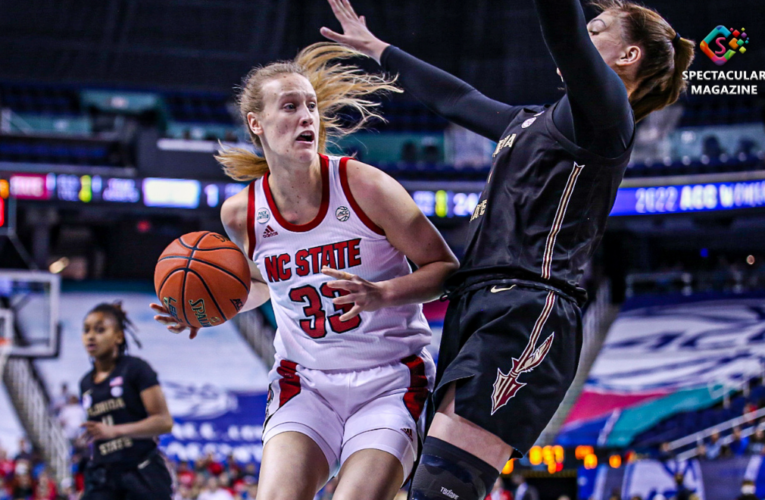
(6,338)
(5,351)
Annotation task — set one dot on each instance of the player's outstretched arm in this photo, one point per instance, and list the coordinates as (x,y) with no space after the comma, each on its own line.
(391,208)
(443,93)
(596,90)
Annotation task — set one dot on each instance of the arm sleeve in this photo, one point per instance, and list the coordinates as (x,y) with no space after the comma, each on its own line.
(449,96)
(594,89)
(144,376)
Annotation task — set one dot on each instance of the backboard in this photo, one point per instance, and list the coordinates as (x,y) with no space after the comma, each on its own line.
(33,298)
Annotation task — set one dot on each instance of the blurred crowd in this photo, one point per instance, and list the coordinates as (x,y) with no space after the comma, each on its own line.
(25,476)
(683,493)
(713,447)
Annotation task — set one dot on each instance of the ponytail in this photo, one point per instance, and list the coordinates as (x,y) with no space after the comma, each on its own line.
(665,55)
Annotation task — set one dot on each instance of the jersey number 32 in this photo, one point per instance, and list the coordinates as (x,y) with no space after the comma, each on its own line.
(314,324)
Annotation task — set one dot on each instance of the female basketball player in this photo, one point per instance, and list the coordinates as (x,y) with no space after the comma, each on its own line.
(351,375)
(126,413)
(512,335)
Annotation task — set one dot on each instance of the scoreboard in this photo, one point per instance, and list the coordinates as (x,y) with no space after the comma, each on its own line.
(97,189)
(6,208)
(662,197)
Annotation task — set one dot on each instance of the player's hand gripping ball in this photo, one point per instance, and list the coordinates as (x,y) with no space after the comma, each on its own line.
(202,279)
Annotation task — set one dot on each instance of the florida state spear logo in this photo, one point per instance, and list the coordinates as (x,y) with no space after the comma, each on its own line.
(507,385)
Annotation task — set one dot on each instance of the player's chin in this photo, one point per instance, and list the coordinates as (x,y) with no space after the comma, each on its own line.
(304,151)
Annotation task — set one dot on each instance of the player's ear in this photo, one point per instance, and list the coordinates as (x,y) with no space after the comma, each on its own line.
(254,123)
(631,55)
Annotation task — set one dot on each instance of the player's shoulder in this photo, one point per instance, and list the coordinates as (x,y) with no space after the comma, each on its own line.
(368,182)
(233,212)
(236,203)
(134,364)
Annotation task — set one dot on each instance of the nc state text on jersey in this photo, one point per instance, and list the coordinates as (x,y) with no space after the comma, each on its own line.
(341,255)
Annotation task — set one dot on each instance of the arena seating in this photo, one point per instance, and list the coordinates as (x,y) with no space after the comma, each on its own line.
(671,365)
(63,110)
(686,423)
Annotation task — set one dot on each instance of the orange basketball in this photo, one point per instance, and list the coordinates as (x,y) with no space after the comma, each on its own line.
(202,279)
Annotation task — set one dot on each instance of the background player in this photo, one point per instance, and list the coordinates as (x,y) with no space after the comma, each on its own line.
(351,375)
(126,412)
(512,335)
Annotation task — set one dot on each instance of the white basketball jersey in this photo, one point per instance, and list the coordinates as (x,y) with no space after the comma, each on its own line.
(341,236)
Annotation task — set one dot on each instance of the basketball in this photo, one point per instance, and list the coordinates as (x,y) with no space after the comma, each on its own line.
(202,279)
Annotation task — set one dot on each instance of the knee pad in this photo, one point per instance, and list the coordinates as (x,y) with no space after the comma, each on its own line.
(448,472)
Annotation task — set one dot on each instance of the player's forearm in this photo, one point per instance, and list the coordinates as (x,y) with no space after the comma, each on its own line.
(374,48)
(447,95)
(258,296)
(150,427)
(599,92)
(423,285)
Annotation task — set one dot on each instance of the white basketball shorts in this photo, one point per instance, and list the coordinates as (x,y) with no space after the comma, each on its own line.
(346,411)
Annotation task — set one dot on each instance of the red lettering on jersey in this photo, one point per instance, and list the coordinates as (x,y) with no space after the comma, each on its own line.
(353,253)
(301,265)
(328,256)
(271,268)
(340,249)
(285,272)
(340,255)
(315,251)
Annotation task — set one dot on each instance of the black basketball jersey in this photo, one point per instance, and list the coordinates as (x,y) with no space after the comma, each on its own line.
(543,210)
(117,400)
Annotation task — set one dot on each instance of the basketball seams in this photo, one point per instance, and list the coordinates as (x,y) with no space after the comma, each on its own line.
(161,285)
(190,248)
(209,292)
(183,295)
(201,237)
(232,247)
(186,273)
(180,240)
(229,273)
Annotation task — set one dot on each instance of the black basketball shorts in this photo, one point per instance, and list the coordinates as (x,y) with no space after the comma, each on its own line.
(149,480)
(513,352)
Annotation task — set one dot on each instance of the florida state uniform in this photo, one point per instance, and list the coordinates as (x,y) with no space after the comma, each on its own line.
(334,380)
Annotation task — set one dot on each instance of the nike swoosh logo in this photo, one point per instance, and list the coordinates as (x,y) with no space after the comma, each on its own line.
(494,289)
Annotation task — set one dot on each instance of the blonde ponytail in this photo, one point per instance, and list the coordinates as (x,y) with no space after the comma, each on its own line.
(337,86)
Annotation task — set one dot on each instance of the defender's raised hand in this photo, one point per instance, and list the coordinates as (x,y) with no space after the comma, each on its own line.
(355,34)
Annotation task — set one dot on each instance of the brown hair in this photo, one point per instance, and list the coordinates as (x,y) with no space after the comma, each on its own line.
(337,86)
(660,74)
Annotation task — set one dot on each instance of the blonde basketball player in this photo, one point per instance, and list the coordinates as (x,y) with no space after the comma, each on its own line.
(329,240)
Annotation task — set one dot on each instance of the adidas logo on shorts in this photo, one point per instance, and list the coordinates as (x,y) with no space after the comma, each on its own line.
(408,433)
(269,232)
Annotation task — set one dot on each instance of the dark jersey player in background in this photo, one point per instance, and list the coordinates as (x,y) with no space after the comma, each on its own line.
(126,412)
(512,334)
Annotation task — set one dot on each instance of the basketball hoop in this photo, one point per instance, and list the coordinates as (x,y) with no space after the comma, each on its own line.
(5,351)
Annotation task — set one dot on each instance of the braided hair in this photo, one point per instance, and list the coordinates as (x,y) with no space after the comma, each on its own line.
(123,322)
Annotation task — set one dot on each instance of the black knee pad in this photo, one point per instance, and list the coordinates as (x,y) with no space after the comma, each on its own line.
(448,472)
